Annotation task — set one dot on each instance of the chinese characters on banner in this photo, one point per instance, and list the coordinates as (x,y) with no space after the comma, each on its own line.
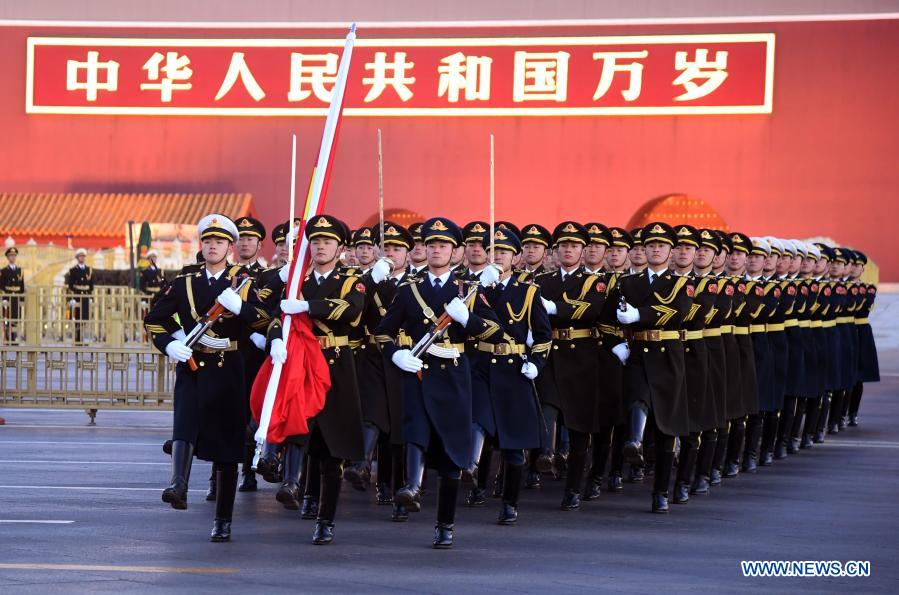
(632,75)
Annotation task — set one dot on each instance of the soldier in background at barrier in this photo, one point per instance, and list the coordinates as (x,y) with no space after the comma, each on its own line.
(12,281)
(80,282)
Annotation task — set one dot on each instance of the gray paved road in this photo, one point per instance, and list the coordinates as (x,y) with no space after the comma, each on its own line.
(80,511)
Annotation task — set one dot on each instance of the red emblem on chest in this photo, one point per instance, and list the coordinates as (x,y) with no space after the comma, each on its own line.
(759,291)
(791,290)
(360,287)
(827,291)
(815,287)
(601,287)
(863,290)
(804,290)
(713,288)
(729,290)
(776,292)
(690,290)
(741,288)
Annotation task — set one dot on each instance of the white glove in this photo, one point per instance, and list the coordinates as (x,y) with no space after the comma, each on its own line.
(283,272)
(178,351)
(231,301)
(458,311)
(405,361)
(622,352)
(381,270)
(629,316)
(530,340)
(529,370)
(5,303)
(292,234)
(550,306)
(490,275)
(278,351)
(258,340)
(143,303)
(180,335)
(72,303)
(294,306)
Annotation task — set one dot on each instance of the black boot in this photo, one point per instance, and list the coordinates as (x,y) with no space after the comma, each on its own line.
(289,492)
(544,460)
(447,494)
(409,496)
(753,441)
(248,476)
(470,473)
(331,477)
(358,473)
(313,479)
(633,448)
(269,464)
(615,484)
(635,474)
(182,458)
(384,495)
(476,497)
(167,447)
(576,461)
(511,491)
(533,481)
(681,493)
(226,480)
(323,534)
(210,491)
(499,480)
(660,502)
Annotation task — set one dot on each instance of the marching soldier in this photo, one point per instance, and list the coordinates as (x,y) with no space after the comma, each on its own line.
(654,306)
(210,410)
(12,282)
(511,414)
(475,236)
(776,267)
(622,243)
(708,265)
(333,299)
(748,299)
(436,387)
(691,253)
(868,366)
(569,386)
(80,282)
(637,253)
(364,248)
(536,242)
(382,397)
(418,257)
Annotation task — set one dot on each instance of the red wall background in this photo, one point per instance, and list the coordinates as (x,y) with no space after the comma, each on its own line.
(824,163)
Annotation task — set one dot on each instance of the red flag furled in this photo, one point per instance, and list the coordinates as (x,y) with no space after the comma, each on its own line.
(285,396)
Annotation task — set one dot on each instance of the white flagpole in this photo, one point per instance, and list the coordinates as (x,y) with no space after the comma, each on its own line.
(492,194)
(293,199)
(311,209)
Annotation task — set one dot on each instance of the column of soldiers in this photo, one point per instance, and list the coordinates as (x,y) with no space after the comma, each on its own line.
(661,347)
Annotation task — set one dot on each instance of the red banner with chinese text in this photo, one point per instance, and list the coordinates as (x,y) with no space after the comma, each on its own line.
(522,76)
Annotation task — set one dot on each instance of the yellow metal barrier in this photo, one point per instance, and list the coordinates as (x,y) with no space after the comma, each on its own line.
(111,316)
(85,378)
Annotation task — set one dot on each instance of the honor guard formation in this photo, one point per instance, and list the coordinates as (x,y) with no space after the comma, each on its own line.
(593,355)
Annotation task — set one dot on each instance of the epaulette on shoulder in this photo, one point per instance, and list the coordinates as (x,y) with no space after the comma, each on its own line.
(544,273)
(236,269)
(412,280)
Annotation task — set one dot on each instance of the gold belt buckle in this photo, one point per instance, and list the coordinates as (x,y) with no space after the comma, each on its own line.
(501,349)
(564,334)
